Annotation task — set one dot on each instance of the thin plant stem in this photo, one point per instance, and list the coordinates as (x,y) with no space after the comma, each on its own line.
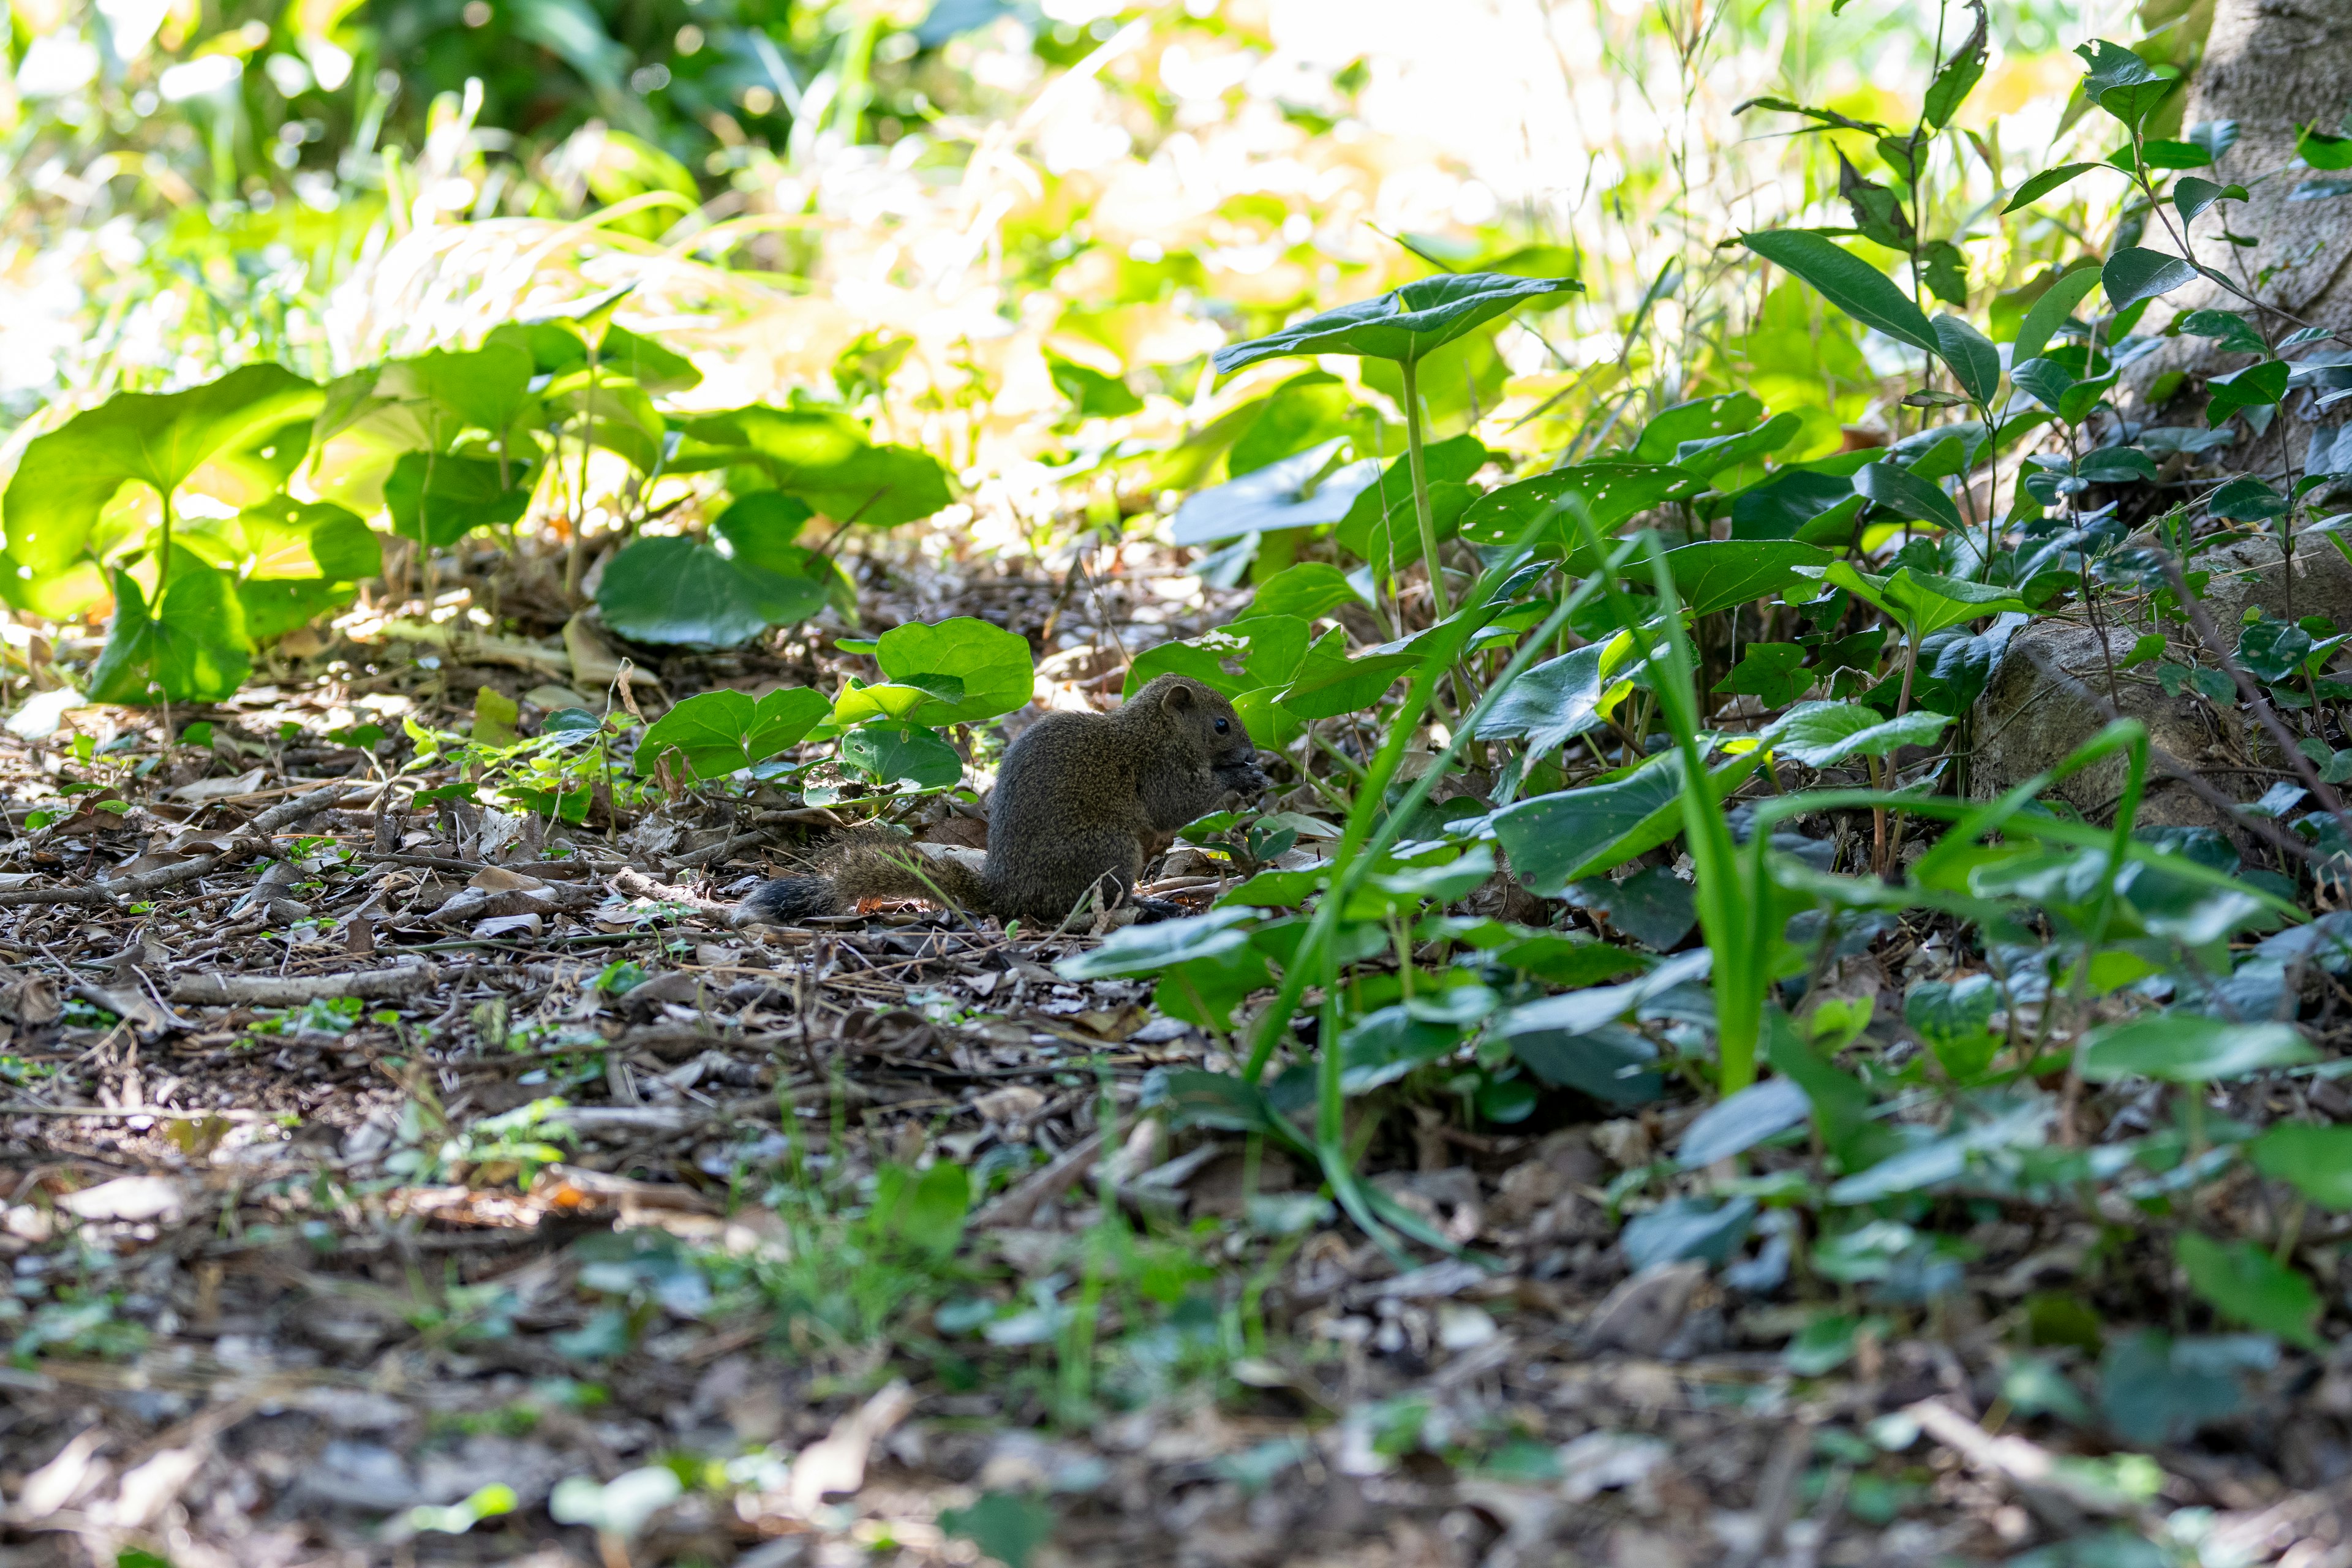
(1421,510)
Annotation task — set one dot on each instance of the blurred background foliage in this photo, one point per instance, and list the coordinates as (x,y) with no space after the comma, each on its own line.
(1008,232)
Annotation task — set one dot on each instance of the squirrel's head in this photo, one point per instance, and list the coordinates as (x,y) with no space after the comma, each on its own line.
(1209,726)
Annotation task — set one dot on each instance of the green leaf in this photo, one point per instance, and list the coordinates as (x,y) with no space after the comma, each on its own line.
(1822,735)
(2242,1281)
(1905,494)
(680,591)
(1553,839)
(2191,197)
(495,716)
(2047,181)
(2321,150)
(2136,273)
(2188,1048)
(2316,1161)
(1400,325)
(1702,419)
(825,459)
(1717,574)
(1325,691)
(192,650)
(720,733)
(1960,76)
(1308,589)
(892,754)
(1852,285)
(2236,335)
(2121,82)
(1384,1044)
(2256,386)
(928,1210)
(1562,697)
(1712,455)
(1614,492)
(1008,1526)
(1301,491)
(66,477)
(1770,672)
(2248,500)
(1975,363)
(483,390)
(1738,1123)
(439,498)
(1148,949)
(960,671)
(2051,312)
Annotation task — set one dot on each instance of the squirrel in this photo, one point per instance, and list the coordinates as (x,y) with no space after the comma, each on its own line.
(1081,797)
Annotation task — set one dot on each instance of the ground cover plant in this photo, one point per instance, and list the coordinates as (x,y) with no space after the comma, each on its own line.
(1783,1005)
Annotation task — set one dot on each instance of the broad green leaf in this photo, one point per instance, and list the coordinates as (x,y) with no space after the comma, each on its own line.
(825,459)
(1792,503)
(1308,589)
(2116,464)
(1388,1043)
(1560,699)
(2235,334)
(1975,363)
(2191,197)
(1609,1062)
(1553,839)
(2168,155)
(66,479)
(1702,419)
(1303,491)
(1148,949)
(2321,150)
(1305,411)
(495,716)
(678,591)
(1683,1228)
(1614,492)
(1392,539)
(1906,494)
(892,754)
(1717,574)
(2248,500)
(1923,602)
(2051,312)
(2256,386)
(2242,1281)
(1736,1124)
(611,411)
(1771,672)
(192,649)
(1847,281)
(1713,455)
(439,498)
(2190,1047)
(1400,325)
(1822,735)
(720,733)
(1326,691)
(2316,1161)
(2136,273)
(2121,83)
(968,669)
(2154,1389)
(483,390)
(2047,181)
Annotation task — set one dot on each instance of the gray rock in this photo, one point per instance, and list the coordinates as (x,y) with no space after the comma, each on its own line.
(2045,703)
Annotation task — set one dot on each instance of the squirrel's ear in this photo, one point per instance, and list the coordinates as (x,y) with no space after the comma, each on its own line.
(1178,698)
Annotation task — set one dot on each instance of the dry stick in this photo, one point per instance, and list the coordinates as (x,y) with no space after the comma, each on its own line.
(2173,767)
(2253,697)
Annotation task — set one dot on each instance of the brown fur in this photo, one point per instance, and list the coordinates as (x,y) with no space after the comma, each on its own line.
(1083,801)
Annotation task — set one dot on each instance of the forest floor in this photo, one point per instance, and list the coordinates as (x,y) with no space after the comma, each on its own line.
(301,1280)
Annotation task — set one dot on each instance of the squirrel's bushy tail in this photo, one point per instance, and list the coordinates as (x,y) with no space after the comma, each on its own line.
(866,868)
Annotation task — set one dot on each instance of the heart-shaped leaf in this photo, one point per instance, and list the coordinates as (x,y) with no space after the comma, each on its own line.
(1822,735)
(680,591)
(1717,574)
(66,479)
(825,459)
(960,671)
(1613,492)
(1305,490)
(893,753)
(438,498)
(1560,699)
(1400,325)
(720,733)
(192,649)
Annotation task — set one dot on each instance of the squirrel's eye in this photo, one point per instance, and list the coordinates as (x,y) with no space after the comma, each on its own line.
(1221,726)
